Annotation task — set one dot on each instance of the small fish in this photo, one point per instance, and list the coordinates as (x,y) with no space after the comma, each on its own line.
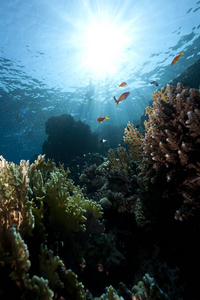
(176,58)
(102,141)
(137,126)
(122,84)
(121,97)
(154,82)
(101,119)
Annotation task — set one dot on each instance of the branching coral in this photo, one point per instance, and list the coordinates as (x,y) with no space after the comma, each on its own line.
(111,294)
(15,209)
(39,203)
(120,161)
(161,94)
(34,288)
(134,140)
(157,95)
(148,289)
(65,200)
(114,180)
(171,147)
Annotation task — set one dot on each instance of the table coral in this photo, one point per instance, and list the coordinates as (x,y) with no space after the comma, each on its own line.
(171,148)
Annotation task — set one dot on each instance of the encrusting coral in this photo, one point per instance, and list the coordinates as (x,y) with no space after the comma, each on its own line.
(38,207)
(171,148)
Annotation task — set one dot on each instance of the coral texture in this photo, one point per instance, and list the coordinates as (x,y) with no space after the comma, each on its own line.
(40,211)
(148,289)
(114,179)
(134,140)
(171,148)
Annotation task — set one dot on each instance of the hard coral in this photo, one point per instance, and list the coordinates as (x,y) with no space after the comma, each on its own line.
(134,140)
(38,206)
(171,148)
(68,138)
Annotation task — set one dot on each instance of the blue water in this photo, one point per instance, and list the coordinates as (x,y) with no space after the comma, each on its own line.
(61,56)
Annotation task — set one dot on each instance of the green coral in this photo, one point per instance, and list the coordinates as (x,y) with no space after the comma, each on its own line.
(20,258)
(148,289)
(73,288)
(38,205)
(120,160)
(49,265)
(34,288)
(110,294)
(15,209)
(65,200)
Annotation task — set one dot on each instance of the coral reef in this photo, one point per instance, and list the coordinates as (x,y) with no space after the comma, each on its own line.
(148,289)
(40,212)
(114,180)
(54,243)
(68,138)
(171,149)
(134,140)
(140,199)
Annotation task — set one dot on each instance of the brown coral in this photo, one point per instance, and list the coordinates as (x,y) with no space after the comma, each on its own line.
(171,147)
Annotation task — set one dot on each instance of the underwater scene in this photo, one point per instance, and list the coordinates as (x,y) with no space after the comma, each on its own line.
(99,149)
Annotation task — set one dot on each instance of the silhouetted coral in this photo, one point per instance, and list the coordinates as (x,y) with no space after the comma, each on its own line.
(68,138)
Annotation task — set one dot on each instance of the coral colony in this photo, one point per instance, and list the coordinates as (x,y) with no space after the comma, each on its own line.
(110,237)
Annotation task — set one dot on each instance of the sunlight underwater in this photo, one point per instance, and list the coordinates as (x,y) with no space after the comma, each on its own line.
(108,92)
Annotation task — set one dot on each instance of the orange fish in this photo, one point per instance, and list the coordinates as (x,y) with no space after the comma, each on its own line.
(122,84)
(101,119)
(121,97)
(176,58)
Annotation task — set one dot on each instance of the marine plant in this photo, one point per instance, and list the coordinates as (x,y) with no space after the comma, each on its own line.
(40,212)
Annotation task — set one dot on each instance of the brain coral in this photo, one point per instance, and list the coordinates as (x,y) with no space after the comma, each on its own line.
(171,149)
